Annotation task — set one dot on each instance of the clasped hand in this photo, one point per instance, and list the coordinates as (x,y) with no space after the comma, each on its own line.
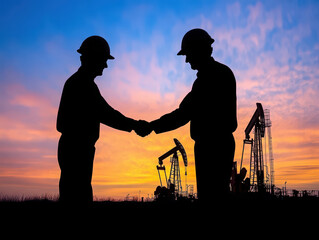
(143,128)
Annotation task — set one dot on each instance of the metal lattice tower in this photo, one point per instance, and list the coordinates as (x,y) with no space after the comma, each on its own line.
(257,162)
(175,174)
(271,157)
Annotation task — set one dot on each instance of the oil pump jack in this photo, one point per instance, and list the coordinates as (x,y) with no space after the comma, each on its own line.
(174,184)
(258,173)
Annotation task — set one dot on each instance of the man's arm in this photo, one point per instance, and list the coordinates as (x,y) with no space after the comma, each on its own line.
(175,119)
(113,118)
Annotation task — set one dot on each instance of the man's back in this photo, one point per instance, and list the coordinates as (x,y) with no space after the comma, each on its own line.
(214,101)
(78,111)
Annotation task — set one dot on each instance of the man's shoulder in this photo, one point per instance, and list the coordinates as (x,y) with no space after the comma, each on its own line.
(77,81)
(72,80)
(224,70)
(223,67)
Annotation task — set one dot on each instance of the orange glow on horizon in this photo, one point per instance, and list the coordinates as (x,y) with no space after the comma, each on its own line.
(126,163)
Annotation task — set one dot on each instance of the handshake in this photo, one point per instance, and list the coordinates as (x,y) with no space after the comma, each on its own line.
(142,128)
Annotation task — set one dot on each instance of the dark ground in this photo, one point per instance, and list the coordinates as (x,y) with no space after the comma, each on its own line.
(147,220)
(239,202)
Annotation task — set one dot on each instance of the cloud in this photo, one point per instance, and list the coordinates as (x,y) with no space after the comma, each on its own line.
(28,186)
(26,115)
(138,86)
(28,139)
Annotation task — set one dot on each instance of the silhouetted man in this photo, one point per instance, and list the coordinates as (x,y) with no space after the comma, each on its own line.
(211,109)
(81,110)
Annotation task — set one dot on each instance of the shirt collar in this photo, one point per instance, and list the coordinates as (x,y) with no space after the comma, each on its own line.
(85,73)
(208,67)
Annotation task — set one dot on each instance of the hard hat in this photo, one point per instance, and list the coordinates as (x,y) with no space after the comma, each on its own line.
(95,45)
(195,39)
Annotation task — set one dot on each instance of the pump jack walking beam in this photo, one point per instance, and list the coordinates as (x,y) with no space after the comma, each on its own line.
(257,118)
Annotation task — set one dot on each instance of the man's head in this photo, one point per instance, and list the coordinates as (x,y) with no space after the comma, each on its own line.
(196,45)
(95,52)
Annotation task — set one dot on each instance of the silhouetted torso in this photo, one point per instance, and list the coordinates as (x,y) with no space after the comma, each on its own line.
(82,109)
(211,109)
(210,106)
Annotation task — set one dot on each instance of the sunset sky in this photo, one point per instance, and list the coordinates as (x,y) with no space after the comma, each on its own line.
(271,46)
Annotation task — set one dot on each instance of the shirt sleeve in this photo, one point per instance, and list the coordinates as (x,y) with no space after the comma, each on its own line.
(176,118)
(113,118)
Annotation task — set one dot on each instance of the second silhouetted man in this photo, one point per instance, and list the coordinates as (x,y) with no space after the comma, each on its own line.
(211,109)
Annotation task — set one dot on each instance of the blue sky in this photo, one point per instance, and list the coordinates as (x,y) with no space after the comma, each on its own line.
(30,28)
(271,46)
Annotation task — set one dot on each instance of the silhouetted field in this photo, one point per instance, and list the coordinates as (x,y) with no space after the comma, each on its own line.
(133,218)
(156,215)
(248,201)
(38,204)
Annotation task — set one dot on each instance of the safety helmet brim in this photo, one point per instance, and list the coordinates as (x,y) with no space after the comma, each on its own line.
(181,52)
(95,46)
(108,56)
(195,39)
